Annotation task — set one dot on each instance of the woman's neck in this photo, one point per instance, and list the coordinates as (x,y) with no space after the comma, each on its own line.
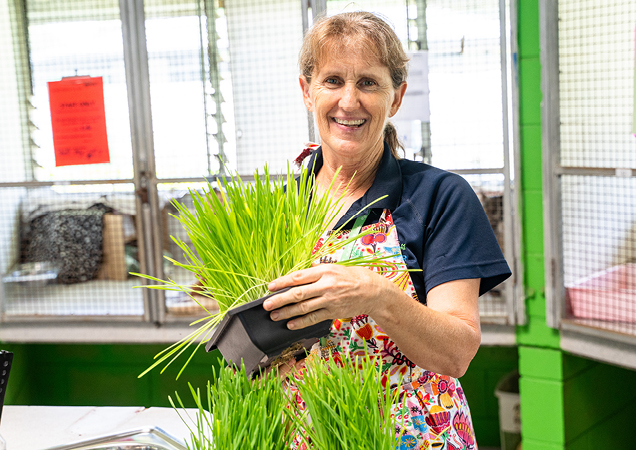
(353,180)
(354,176)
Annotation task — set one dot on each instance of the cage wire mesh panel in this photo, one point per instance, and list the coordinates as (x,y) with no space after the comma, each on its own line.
(78,38)
(190,88)
(465,81)
(493,306)
(270,117)
(596,64)
(599,237)
(65,249)
(270,121)
(75,248)
(179,303)
(464,54)
(192,117)
(237,64)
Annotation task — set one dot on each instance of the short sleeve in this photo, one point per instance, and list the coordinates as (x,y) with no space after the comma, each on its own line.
(459,242)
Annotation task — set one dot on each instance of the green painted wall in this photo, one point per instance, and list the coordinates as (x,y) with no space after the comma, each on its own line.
(98,375)
(540,360)
(600,405)
(535,332)
(488,367)
(101,375)
(574,403)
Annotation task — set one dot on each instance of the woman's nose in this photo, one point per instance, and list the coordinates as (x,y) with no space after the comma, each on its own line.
(349,99)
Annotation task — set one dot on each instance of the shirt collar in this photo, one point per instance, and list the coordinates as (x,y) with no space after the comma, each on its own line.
(388,181)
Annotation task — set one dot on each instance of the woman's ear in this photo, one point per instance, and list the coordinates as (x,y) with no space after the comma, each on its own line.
(304,85)
(397,99)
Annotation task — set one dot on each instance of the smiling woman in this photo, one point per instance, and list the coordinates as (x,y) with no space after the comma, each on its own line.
(353,79)
(352,98)
(422,324)
(368,50)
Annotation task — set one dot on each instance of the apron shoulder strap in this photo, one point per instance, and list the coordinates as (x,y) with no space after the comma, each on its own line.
(357,226)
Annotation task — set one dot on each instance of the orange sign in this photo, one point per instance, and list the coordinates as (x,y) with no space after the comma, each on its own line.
(79,121)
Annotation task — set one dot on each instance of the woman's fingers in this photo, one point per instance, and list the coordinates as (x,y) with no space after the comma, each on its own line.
(296,309)
(303,276)
(286,367)
(327,291)
(295,295)
(312,318)
(304,287)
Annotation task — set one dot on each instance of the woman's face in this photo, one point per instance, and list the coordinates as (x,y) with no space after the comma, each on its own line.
(352,97)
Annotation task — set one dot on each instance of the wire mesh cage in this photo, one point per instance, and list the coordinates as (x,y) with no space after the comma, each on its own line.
(69,235)
(56,53)
(599,237)
(494,306)
(219,92)
(468,114)
(597,156)
(72,253)
(190,87)
(466,84)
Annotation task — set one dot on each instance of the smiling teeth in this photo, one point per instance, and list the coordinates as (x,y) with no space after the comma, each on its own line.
(349,122)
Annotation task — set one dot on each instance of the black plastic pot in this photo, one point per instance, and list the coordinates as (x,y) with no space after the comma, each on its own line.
(247,333)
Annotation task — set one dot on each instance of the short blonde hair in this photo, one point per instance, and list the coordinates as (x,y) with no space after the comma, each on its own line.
(358,31)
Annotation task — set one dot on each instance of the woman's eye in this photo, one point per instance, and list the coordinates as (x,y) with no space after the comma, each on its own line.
(368,83)
(331,81)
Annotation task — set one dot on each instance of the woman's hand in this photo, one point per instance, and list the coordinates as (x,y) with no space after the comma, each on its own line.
(442,337)
(327,291)
(288,367)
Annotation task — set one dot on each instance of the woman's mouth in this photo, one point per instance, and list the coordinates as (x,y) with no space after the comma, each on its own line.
(350,123)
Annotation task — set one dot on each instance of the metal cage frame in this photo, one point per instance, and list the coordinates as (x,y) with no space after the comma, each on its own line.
(588,341)
(156,325)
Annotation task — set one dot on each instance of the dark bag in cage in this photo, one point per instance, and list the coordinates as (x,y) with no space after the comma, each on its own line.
(71,239)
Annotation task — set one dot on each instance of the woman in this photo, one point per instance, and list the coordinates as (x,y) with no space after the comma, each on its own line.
(424,324)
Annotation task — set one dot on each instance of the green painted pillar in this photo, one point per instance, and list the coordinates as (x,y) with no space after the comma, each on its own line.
(540,359)
(542,398)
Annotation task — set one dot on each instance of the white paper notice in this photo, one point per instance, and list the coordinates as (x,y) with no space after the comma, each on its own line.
(415,105)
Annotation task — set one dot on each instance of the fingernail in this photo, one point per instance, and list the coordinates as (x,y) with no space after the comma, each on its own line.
(291,325)
(271,286)
(274,315)
(267,304)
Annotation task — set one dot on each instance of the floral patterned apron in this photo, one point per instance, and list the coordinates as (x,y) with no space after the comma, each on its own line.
(432,408)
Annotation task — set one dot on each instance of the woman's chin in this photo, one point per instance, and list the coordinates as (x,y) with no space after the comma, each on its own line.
(346,148)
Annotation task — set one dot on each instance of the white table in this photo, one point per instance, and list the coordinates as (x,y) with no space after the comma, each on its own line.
(41,427)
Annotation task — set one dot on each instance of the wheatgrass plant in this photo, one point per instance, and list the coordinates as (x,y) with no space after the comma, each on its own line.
(346,405)
(256,233)
(239,413)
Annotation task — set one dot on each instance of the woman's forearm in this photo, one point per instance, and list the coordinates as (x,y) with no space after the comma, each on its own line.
(442,337)
(443,340)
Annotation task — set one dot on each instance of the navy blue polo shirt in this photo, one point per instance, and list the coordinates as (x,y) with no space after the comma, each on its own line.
(440,222)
